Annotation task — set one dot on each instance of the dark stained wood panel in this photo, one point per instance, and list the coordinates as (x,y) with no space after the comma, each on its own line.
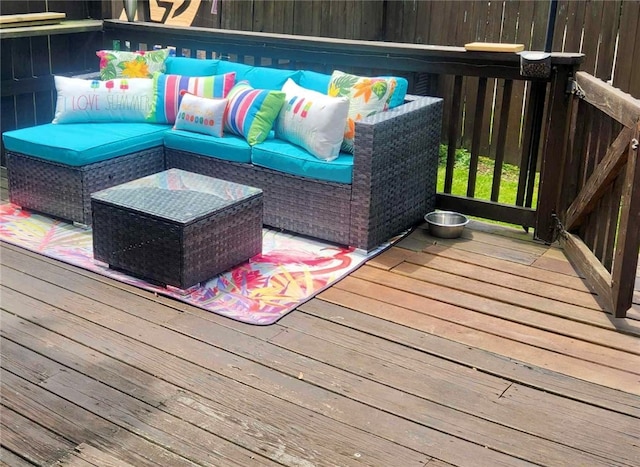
(626,75)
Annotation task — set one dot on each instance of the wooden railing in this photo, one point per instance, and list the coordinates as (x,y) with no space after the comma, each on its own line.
(600,201)
(430,70)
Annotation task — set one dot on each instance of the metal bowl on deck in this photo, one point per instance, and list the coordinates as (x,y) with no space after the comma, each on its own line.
(446,224)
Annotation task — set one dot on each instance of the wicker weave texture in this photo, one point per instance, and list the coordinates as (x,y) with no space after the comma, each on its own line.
(302,205)
(394,180)
(171,253)
(395,170)
(65,191)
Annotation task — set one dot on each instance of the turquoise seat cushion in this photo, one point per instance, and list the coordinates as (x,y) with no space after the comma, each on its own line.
(187,66)
(280,155)
(78,144)
(229,147)
(259,77)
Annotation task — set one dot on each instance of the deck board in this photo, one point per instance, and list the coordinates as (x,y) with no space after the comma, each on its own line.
(437,352)
(62,416)
(35,443)
(478,359)
(85,455)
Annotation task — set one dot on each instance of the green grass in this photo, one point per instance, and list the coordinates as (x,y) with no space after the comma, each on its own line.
(484,178)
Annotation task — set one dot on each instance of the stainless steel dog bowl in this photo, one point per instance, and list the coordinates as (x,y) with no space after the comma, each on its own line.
(446,224)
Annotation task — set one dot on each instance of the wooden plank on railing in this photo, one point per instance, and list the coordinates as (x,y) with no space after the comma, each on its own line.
(605,136)
(601,226)
(626,254)
(612,229)
(486,209)
(575,145)
(452,133)
(502,138)
(554,152)
(617,104)
(589,120)
(477,134)
(31,19)
(527,144)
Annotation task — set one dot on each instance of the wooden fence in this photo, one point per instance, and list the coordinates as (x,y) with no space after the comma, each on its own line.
(607,32)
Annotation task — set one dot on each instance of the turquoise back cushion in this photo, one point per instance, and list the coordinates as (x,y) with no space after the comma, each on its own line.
(315,81)
(260,77)
(78,144)
(190,66)
(285,157)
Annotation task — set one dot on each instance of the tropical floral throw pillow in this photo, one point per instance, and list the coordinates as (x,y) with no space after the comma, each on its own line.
(367,96)
(141,64)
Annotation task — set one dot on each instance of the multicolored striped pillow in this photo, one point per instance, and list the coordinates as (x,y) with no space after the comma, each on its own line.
(251,112)
(168,91)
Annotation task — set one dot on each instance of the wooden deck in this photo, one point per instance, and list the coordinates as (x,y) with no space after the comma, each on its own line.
(486,350)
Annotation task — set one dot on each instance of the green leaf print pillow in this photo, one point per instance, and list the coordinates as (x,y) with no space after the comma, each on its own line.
(367,96)
(142,64)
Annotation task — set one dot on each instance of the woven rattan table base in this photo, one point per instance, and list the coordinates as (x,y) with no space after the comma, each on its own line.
(179,229)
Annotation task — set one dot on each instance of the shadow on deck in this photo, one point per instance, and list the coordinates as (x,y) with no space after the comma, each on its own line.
(485,350)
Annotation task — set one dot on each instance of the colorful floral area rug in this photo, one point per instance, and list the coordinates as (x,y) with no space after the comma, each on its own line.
(291,269)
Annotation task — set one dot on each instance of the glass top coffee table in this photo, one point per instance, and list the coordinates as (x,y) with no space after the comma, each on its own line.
(175,227)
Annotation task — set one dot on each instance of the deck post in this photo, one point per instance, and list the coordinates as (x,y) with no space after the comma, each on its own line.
(555,134)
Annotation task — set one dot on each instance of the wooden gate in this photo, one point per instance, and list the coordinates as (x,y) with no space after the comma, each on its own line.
(599,228)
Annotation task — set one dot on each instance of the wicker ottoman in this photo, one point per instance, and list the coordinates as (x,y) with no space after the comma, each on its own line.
(176,227)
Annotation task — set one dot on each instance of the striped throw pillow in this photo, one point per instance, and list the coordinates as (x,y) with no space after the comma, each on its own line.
(251,112)
(168,91)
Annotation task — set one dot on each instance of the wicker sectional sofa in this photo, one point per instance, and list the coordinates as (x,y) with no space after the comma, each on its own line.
(392,179)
